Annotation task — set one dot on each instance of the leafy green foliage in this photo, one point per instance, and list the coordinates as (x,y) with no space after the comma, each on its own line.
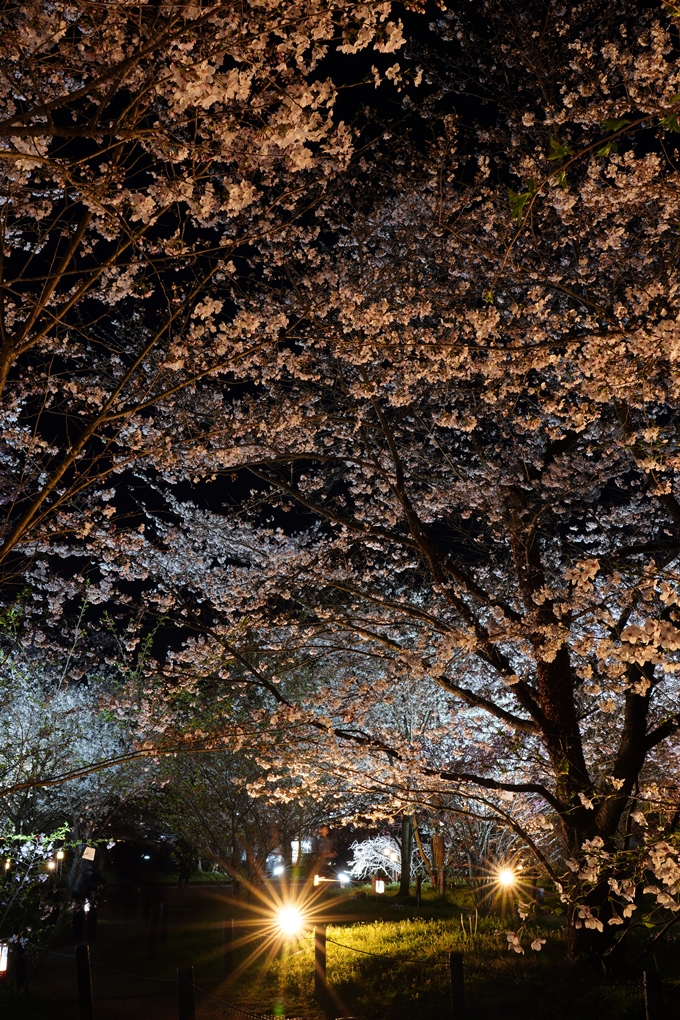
(616,124)
(559,151)
(607,149)
(670,122)
(518,200)
(29,899)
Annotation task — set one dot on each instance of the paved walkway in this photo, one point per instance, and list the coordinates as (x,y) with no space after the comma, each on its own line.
(131,978)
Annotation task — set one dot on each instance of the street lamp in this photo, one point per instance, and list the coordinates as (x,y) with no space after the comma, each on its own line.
(506,877)
(4,956)
(289,920)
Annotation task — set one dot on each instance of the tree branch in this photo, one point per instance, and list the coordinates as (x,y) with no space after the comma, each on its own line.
(477,701)
(495,784)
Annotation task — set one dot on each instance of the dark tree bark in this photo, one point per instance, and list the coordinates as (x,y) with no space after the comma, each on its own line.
(406,854)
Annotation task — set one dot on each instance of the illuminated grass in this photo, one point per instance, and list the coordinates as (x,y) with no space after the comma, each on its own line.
(414,982)
(413,978)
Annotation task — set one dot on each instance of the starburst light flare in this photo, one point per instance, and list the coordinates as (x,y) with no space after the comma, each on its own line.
(289,920)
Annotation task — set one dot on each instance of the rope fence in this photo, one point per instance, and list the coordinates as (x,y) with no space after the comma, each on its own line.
(104,966)
(385,956)
(136,977)
(232,1010)
(649,989)
(629,986)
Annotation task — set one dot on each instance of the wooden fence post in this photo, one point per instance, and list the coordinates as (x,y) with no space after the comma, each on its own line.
(153,932)
(91,923)
(20,967)
(228,947)
(185,991)
(320,986)
(457,980)
(438,861)
(84,982)
(652,984)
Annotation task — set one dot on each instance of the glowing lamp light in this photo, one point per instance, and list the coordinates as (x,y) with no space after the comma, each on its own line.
(51,865)
(8,864)
(279,869)
(86,906)
(316,880)
(379,886)
(506,877)
(4,955)
(344,878)
(60,855)
(289,920)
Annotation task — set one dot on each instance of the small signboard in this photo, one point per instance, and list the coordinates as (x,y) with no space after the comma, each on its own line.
(88,853)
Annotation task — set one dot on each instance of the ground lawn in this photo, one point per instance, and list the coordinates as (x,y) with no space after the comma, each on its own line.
(399,972)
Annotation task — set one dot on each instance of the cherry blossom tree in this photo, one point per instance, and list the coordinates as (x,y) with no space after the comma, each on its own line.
(380,854)
(448,411)
(146,153)
(52,732)
(473,430)
(219,804)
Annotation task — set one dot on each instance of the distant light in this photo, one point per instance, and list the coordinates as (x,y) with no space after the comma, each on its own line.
(4,954)
(279,869)
(344,878)
(8,864)
(86,906)
(316,880)
(146,857)
(379,885)
(289,920)
(506,877)
(51,865)
(60,855)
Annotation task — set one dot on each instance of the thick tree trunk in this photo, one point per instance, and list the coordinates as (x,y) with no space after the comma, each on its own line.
(406,854)
(589,944)
(423,856)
